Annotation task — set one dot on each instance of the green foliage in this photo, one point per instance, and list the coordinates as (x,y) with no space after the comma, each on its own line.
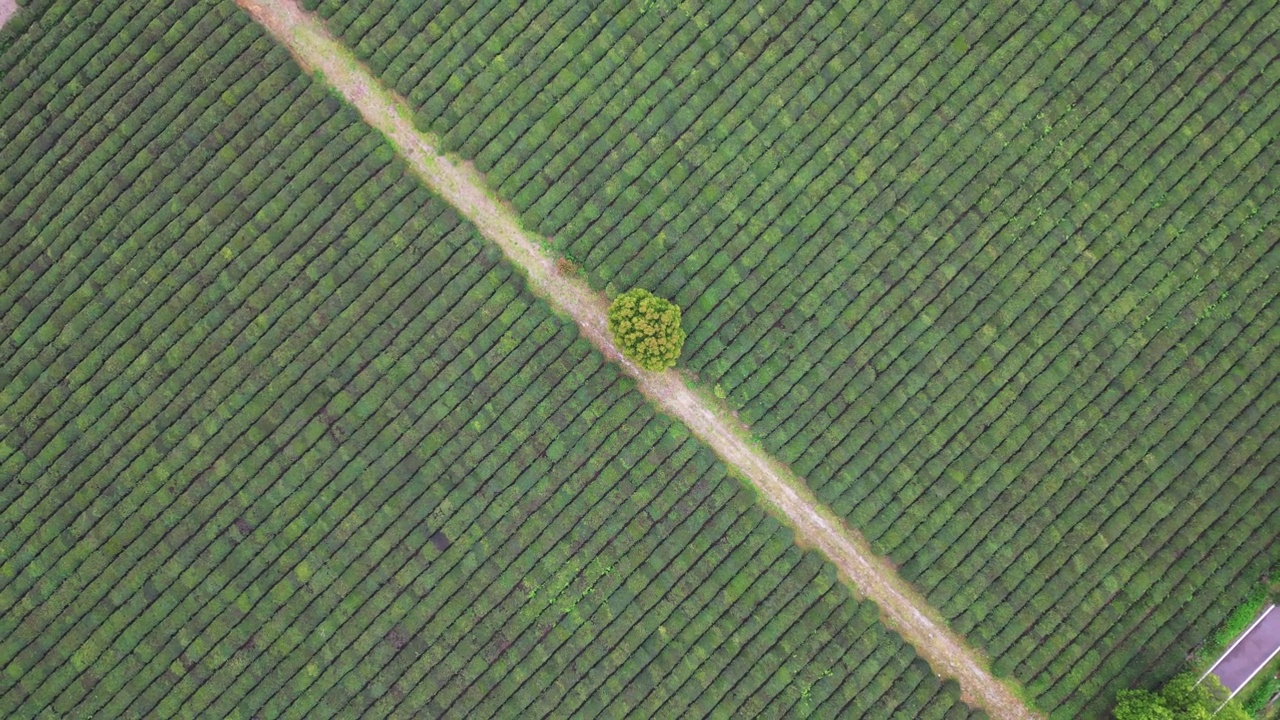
(1141,705)
(1243,614)
(1258,697)
(1181,698)
(1233,711)
(1000,291)
(280,434)
(647,329)
(1188,700)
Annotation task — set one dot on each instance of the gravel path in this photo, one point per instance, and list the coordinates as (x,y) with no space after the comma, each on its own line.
(904,610)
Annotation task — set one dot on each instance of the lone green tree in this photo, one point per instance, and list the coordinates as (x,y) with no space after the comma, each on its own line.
(647,329)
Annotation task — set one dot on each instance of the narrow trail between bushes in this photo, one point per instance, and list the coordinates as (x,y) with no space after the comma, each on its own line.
(7,10)
(815,525)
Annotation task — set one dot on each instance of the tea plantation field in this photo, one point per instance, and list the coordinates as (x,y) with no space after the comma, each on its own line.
(998,278)
(281,436)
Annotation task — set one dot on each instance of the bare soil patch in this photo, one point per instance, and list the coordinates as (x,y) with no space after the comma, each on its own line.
(7,9)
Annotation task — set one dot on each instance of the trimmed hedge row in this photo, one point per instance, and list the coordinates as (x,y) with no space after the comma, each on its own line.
(997,279)
(283,436)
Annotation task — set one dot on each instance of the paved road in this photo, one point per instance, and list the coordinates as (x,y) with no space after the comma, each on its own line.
(1251,652)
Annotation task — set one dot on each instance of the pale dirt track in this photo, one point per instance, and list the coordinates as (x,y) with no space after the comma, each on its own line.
(7,9)
(905,610)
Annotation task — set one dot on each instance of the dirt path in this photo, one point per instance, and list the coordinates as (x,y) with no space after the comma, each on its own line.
(816,526)
(7,9)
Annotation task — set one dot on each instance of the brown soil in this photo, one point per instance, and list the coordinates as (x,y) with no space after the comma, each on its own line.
(816,526)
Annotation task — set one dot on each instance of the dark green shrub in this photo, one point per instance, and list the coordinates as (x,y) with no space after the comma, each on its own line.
(1257,700)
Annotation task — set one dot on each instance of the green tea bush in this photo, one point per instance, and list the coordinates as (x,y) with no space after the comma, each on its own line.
(1041,389)
(1239,619)
(1257,699)
(282,434)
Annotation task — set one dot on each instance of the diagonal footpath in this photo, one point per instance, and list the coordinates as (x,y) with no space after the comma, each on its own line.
(815,525)
(7,10)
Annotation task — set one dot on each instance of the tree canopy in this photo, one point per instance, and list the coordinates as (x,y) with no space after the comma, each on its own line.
(1182,698)
(1141,705)
(647,329)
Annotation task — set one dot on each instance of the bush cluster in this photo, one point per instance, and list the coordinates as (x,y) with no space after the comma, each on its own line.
(1182,698)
